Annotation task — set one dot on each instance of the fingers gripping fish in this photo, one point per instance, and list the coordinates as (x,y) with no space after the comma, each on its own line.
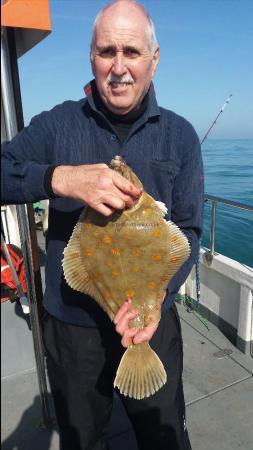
(131,254)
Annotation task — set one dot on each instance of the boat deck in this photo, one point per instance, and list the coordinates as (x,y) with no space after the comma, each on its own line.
(218,390)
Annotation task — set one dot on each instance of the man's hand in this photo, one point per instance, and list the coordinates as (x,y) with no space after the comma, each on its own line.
(131,335)
(96,185)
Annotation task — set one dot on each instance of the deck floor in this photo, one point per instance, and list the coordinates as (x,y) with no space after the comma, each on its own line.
(218,392)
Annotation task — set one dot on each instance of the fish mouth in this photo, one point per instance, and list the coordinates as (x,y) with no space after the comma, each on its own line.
(129,210)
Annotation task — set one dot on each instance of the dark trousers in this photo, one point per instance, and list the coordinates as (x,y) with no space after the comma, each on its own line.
(82,363)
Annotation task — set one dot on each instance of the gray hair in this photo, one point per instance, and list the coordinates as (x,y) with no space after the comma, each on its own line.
(151,34)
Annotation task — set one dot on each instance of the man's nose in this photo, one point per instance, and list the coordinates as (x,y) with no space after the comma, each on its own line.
(119,66)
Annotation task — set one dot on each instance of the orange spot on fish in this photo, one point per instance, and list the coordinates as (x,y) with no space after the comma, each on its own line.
(75,255)
(97,275)
(174,238)
(108,293)
(115,251)
(174,259)
(86,279)
(156,257)
(115,273)
(95,233)
(87,225)
(107,239)
(164,278)
(126,236)
(89,251)
(137,251)
(147,211)
(129,293)
(157,233)
(136,269)
(151,285)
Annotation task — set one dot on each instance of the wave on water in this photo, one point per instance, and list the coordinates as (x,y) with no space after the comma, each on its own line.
(228,166)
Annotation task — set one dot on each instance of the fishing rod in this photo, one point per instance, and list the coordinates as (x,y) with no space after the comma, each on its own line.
(216,118)
(197,271)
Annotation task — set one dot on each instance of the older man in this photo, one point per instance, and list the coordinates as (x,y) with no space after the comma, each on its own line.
(63,155)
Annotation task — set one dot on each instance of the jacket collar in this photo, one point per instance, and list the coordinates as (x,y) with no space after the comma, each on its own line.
(152,107)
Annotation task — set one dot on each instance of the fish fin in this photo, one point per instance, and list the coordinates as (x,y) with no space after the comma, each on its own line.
(162,207)
(76,274)
(73,267)
(180,249)
(140,372)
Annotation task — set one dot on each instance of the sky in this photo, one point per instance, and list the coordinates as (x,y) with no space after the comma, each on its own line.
(206,55)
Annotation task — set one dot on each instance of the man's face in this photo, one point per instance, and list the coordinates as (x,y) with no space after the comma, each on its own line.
(123,63)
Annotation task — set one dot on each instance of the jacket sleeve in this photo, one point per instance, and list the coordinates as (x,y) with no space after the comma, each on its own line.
(188,200)
(25,160)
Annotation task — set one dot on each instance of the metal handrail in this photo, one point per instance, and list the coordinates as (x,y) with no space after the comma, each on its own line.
(214,200)
(10,118)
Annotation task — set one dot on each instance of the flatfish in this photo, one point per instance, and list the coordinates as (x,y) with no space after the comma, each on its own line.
(133,253)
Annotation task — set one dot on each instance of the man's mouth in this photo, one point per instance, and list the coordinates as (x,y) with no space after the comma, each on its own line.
(115,84)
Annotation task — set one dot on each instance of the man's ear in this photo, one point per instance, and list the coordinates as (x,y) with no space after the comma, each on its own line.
(155,60)
(92,64)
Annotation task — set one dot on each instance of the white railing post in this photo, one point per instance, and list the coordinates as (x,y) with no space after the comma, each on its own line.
(245,319)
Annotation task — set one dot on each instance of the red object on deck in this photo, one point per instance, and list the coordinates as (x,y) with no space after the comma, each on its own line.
(8,286)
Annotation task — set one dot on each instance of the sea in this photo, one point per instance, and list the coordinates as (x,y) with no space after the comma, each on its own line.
(228,167)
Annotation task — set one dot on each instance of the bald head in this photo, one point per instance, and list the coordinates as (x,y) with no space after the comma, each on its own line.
(123,8)
(124,55)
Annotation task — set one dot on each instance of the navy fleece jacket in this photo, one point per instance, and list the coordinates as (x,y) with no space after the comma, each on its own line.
(162,148)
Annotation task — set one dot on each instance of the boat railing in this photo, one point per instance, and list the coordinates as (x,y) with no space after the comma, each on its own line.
(214,201)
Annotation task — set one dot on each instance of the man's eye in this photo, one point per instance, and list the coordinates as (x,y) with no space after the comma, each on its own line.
(131,52)
(107,53)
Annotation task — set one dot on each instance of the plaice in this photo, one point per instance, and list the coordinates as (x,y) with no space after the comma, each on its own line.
(130,254)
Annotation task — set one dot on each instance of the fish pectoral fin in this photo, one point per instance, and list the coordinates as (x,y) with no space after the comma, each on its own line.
(140,372)
(73,268)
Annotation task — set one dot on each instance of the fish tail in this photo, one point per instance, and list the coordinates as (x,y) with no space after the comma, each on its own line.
(140,372)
